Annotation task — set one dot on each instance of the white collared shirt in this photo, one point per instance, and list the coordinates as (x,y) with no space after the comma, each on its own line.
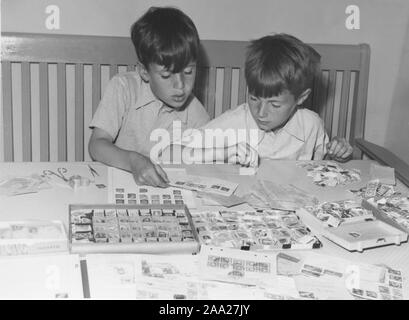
(302,138)
(129,112)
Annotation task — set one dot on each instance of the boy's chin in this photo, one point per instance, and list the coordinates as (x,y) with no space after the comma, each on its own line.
(178,105)
(264,127)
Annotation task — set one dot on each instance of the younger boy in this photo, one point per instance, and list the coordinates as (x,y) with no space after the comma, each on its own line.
(157,94)
(279,71)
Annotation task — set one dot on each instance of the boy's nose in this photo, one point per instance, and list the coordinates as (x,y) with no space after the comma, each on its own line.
(262,110)
(178,81)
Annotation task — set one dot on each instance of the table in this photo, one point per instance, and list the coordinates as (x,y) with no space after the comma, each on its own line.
(53,203)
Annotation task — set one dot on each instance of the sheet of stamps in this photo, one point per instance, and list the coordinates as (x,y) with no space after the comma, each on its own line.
(122,189)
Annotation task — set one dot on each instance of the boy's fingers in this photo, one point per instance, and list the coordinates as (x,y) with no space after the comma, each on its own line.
(331,146)
(162,173)
(241,154)
(341,150)
(157,181)
(337,148)
(138,181)
(348,152)
(253,156)
(152,178)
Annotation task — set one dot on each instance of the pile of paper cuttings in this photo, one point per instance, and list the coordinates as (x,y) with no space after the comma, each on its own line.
(330,174)
(334,213)
(396,208)
(12,186)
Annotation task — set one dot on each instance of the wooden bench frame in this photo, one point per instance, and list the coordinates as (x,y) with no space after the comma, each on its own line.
(347,111)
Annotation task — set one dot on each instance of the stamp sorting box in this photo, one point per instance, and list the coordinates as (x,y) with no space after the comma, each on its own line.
(113,228)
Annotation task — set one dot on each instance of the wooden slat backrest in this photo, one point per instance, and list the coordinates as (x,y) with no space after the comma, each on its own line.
(343,115)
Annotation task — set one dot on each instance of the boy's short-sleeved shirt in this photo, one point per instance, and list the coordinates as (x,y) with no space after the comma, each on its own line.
(130,112)
(303,137)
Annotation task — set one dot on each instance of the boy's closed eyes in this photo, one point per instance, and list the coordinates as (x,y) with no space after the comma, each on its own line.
(165,73)
(273,113)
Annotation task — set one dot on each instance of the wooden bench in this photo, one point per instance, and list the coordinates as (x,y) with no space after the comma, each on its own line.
(51,86)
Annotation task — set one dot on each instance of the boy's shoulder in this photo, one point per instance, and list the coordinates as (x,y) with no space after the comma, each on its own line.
(310,121)
(128,78)
(239,113)
(232,118)
(309,116)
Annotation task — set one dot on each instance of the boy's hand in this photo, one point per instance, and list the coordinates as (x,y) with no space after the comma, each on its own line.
(243,154)
(145,172)
(339,149)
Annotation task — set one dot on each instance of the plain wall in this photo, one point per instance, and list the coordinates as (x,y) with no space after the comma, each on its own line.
(384,26)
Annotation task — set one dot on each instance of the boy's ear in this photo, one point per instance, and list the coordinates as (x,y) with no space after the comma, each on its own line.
(142,71)
(303,96)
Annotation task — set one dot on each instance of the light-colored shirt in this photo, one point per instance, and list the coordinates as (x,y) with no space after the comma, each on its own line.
(130,112)
(303,137)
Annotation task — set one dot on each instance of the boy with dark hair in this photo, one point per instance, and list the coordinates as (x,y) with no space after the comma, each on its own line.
(155,96)
(279,71)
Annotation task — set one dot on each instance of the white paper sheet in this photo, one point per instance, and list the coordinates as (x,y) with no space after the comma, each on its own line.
(41,277)
(123,276)
(119,179)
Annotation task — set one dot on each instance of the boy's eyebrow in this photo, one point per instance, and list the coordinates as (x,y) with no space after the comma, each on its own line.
(165,69)
(274,100)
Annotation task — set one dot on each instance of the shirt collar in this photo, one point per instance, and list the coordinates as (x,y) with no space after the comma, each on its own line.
(252,124)
(181,115)
(146,96)
(295,126)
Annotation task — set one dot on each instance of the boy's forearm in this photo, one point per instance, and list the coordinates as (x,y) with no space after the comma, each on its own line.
(188,155)
(106,152)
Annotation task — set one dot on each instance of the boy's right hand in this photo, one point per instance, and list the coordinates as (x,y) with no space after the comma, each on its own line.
(145,172)
(244,154)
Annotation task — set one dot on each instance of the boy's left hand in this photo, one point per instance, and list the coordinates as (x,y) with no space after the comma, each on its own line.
(339,149)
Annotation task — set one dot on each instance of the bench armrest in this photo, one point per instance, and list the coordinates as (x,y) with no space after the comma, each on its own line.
(385,157)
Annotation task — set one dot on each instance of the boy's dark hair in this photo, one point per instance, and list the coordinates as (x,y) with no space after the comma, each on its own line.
(165,36)
(280,62)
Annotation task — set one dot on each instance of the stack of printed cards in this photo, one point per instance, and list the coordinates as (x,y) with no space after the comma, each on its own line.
(332,214)
(387,285)
(32,237)
(330,174)
(319,276)
(165,277)
(254,230)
